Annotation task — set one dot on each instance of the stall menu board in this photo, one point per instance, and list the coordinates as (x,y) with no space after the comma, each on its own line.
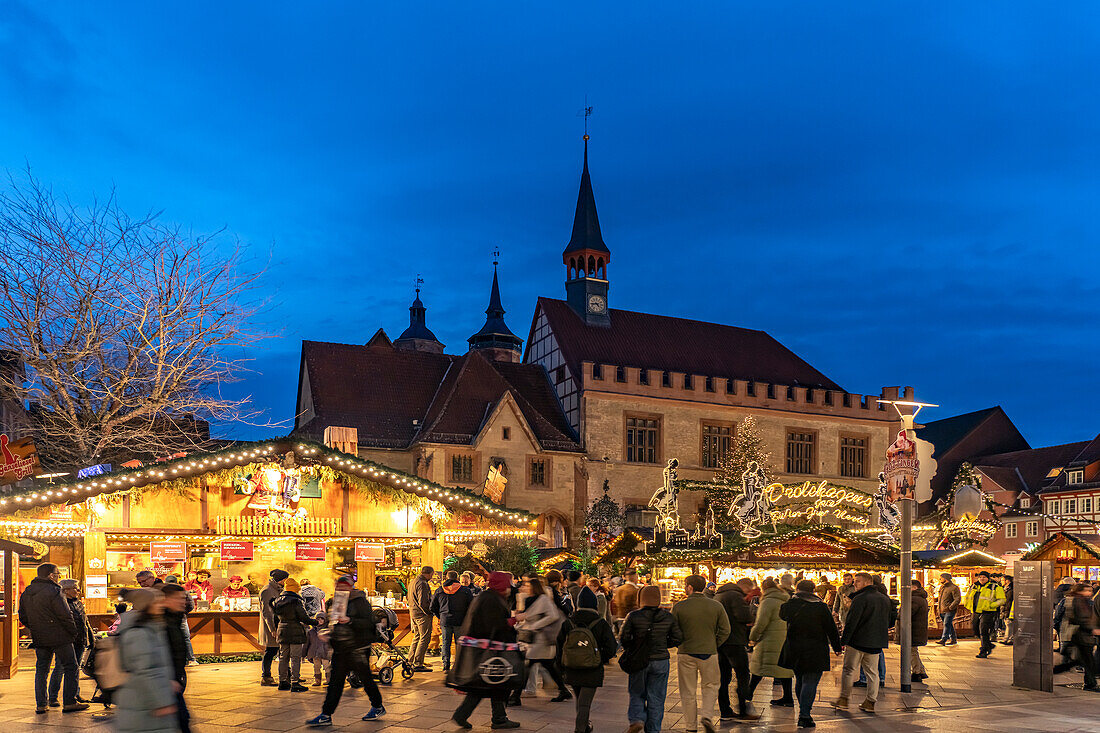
(1032,652)
(167,552)
(370,552)
(235,550)
(309,551)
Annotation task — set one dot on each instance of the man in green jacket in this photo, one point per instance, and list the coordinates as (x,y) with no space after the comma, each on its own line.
(984,599)
(706,627)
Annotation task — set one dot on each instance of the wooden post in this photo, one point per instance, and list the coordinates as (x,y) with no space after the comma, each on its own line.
(95,566)
(366,576)
(9,645)
(432,554)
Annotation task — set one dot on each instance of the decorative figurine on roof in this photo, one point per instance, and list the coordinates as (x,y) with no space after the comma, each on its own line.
(751,507)
(889,517)
(275,492)
(664,499)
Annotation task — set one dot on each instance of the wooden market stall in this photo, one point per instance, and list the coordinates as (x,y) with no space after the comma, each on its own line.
(1074,555)
(9,622)
(314,511)
(964,566)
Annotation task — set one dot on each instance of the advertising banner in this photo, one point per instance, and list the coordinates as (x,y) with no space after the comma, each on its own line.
(309,551)
(235,550)
(20,460)
(370,552)
(902,468)
(168,552)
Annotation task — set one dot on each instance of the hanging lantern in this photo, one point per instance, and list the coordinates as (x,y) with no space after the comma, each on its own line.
(968,502)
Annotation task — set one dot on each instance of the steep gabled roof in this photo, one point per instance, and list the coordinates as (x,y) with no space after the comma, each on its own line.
(586,225)
(946,433)
(650,341)
(1030,467)
(396,398)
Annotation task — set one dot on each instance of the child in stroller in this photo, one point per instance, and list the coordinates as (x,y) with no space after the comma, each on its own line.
(387,655)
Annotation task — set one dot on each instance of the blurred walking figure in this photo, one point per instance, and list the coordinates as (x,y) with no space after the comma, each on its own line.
(768,633)
(1082,633)
(70,590)
(146,702)
(733,656)
(269,625)
(176,600)
(586,643)
(811,631)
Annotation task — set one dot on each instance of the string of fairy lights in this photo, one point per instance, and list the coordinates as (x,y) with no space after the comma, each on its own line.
(122,481)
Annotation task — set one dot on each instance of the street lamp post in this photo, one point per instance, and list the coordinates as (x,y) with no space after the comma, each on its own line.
(907,469)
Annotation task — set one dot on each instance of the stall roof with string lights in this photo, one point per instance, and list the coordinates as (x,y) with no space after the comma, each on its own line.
(194,466)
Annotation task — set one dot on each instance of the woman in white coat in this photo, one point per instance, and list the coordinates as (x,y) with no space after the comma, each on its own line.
(539,625)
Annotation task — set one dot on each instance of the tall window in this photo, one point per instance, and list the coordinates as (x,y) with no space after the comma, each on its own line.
(462,469)
(538,472)
(1069,506)
(620,374)
(643,434)
(800,452)
(716,444)
(1086,505)
(1053,507)
(1031,529)
(853,457)
(1025,502)
(1010,530)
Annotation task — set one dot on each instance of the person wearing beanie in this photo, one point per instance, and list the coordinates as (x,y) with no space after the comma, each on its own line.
(146,701)
(269,624)
(573,585)
(706,627)
(811,631)
(488,618)
(290,611)
(586,642)
(768,634)
(659,630)
(449,604)
(733,656)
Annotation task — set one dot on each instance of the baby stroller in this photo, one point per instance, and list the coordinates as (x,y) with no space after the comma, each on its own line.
(387,655)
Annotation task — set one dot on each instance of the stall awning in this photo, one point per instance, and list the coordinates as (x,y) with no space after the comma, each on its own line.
(965,559)
(195,465)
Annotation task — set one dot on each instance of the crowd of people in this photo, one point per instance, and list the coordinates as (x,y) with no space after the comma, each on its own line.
(566,628)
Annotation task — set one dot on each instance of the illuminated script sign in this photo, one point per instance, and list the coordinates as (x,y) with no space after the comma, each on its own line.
(817,503)
(974,530)
(805,547)
(20,460)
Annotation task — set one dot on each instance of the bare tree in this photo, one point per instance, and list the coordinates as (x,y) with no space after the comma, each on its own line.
(126,327)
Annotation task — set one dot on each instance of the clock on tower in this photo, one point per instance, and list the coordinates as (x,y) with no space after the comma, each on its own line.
(586,258)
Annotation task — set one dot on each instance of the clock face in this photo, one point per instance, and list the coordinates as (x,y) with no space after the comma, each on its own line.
(596,304)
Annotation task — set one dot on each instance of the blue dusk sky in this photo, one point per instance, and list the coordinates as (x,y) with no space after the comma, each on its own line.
(901,193)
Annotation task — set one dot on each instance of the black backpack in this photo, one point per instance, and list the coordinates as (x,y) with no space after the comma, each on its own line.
(636,658)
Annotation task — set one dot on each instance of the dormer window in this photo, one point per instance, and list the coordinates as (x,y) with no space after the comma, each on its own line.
(1075,476)
(1025,502)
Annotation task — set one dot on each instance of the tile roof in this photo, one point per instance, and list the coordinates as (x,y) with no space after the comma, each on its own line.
(396,398)
(650,341)
(1030,466)
(946,433)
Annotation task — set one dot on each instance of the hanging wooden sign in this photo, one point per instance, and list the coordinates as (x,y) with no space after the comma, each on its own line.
(20,460)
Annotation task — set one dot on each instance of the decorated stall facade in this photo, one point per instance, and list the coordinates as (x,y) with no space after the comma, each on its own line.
(1074,555)
(221,521)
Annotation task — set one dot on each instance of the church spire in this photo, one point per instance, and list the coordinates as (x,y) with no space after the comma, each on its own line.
(586,223)
(418,337)
(495,339)
(586,256)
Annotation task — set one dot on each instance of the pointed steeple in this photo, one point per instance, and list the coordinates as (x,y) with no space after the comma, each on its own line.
(418,337)
(586,224)
(495,338)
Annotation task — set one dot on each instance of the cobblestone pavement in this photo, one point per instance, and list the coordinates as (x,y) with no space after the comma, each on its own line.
(963,694)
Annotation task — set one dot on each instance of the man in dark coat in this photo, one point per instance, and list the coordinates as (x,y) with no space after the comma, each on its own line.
(866,634)
(811,630)
(350,637)
(449,605)
(585,681)
(175,616)
(488,618)
(44,611)
(290,611)
(70,591)
(919,630)
(649,686)
(733,655)
(268,623)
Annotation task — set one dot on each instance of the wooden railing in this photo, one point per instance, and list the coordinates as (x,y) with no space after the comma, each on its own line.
(264,526)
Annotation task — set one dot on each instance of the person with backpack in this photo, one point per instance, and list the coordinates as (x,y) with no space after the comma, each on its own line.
(46,614)
(587,642)
(449,605)
(539,624)
(290,610)
(811,631)
(350,637)
(146,701)
(647,634)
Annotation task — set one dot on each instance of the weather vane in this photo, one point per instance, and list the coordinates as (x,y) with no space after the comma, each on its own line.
(496,256)
(586,112)
(419,282)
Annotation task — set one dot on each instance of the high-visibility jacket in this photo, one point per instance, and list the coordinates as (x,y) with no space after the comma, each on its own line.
(982,598)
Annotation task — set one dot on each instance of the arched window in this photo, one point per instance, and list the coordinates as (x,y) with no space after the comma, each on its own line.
(600,270)
(554,530)
(572,267)
(591,266)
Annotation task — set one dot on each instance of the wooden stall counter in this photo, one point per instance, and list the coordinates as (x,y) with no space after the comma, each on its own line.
(237,632)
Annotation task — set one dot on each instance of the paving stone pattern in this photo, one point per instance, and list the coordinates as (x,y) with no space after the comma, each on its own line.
(963,694)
